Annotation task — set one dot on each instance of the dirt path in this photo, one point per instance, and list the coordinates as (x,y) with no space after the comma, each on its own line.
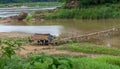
(50,51)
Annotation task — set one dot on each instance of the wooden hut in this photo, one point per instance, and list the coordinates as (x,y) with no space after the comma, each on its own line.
(42,39)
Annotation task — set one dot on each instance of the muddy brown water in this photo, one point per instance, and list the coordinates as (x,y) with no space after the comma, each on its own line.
(66,27)
(74,27)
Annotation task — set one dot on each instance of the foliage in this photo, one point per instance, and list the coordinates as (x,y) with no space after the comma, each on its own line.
(62,0)
(49,62)
(29,17)
(23,1)
(90,2)
(52,62)
(22,40)
(96,2)
(90,48)
(8,47)
(14,63)
(36,4)
(89,63)
(92,12)
(114,60)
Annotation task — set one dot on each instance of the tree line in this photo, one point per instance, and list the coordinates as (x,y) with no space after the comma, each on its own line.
(23,1)
(96,2)
(91,2)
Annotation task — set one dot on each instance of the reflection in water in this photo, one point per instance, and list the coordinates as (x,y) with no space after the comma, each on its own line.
(54,30)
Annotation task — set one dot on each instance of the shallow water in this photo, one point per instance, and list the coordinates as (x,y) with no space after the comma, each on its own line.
(68,27)
(78,27)
(6,12)
(54,30)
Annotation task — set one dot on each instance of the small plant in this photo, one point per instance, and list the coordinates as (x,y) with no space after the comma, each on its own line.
(29,17)
(8,47)
(50,62)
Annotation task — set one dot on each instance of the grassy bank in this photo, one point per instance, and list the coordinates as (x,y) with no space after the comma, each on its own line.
(91,12)
(52,62)
(34,4)
(90,48)
(9,60)
(24,41)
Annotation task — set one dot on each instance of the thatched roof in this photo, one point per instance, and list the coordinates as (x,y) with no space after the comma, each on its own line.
(40,37)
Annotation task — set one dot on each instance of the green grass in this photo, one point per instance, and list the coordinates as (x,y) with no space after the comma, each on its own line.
(29,16)
(42,61)
(24,40)
(114,60)
(90,48)
(91,12)
(35,62)
(88,63)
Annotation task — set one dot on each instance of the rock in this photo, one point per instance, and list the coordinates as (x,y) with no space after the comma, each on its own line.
(20,17)
(42,20)
(32,20)
(17,18)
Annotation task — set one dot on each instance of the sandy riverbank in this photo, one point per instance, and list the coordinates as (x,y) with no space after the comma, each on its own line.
(14,34)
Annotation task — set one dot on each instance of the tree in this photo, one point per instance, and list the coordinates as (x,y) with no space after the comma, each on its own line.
(23,1)
(89,2)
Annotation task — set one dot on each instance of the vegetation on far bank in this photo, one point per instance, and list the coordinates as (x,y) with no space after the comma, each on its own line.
(85,13)
(24,1)
(34,4)
(90,48)
(90,2)
(91,12)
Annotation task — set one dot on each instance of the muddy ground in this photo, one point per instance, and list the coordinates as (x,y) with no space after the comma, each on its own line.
(37,49)
(49,50)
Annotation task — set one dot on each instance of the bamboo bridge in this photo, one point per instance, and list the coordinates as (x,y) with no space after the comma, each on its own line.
(96,35)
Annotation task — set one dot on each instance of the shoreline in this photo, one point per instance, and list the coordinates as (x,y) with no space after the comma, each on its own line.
(14,35)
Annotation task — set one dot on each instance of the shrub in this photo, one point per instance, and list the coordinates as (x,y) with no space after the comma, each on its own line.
(90,12)
(49,62)
(29,17)
(8,47)
(52,62)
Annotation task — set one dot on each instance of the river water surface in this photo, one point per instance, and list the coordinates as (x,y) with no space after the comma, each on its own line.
(61,26)
(6,12)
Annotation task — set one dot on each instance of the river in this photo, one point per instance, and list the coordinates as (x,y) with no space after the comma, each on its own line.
(6,12)
(68,27)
